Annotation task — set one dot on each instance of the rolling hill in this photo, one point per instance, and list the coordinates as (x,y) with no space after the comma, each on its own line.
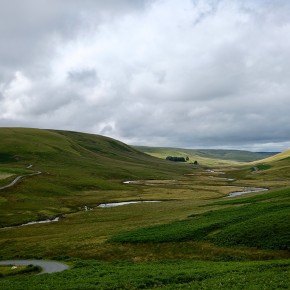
(105,156)
(276,157)
(71,164)
(210,157)
(191,237)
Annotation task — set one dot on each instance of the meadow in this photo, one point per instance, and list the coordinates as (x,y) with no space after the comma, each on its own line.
(194,238)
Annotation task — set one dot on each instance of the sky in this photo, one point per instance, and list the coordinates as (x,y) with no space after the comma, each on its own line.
(174,73)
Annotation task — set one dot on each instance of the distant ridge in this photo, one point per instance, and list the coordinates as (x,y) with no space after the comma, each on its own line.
(206,156)
(277,157)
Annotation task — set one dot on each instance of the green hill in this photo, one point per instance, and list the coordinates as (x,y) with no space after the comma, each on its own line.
(210,157)
(191,237)
(277,157)
(71,163)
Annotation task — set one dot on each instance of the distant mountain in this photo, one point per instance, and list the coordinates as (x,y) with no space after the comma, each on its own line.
(206,156)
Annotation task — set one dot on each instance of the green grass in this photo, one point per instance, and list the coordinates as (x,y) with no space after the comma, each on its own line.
(261,224)
(8,174)
(7,157)
(175,275)
(193,239)
(263,166)
(10,270)
(71,163)
(14,170)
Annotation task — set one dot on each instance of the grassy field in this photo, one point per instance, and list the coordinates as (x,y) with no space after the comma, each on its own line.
(263,224)
(194,238)
(92,274)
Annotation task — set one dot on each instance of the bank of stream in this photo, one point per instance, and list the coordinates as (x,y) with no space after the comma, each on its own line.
(246,190)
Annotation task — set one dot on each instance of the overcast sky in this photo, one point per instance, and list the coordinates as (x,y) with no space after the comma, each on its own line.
(183,73)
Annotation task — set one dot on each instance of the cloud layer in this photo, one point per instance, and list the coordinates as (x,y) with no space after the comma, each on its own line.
(157,72)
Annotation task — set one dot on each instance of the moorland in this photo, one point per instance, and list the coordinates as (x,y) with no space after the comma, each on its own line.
(193,237)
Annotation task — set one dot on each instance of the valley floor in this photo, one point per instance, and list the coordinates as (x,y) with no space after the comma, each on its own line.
(194,237)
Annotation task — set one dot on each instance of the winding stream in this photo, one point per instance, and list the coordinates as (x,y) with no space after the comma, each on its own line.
(114,204)
(85,208)
(247,190)
(56,219)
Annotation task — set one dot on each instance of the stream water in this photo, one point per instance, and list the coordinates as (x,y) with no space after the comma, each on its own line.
(114,204)
(85,208)
(34,223)
(247,190)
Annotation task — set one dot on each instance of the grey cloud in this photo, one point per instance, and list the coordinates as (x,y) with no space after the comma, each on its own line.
(170,73)
(30,30)
(86,77)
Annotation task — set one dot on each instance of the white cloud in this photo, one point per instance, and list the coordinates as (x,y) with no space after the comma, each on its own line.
(15,96)
(169,73)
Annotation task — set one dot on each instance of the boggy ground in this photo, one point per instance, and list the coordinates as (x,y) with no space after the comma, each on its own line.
(194,238)
(85,234)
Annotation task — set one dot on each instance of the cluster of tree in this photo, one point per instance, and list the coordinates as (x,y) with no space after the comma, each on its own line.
(178,159)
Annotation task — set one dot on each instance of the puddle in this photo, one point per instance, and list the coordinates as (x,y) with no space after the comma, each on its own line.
(114,204)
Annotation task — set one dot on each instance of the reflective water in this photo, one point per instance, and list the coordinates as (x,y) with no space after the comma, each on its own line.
(114,204)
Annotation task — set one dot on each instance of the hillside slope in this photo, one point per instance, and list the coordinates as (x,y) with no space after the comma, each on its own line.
(277,157)
(44,148)
(71,164)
